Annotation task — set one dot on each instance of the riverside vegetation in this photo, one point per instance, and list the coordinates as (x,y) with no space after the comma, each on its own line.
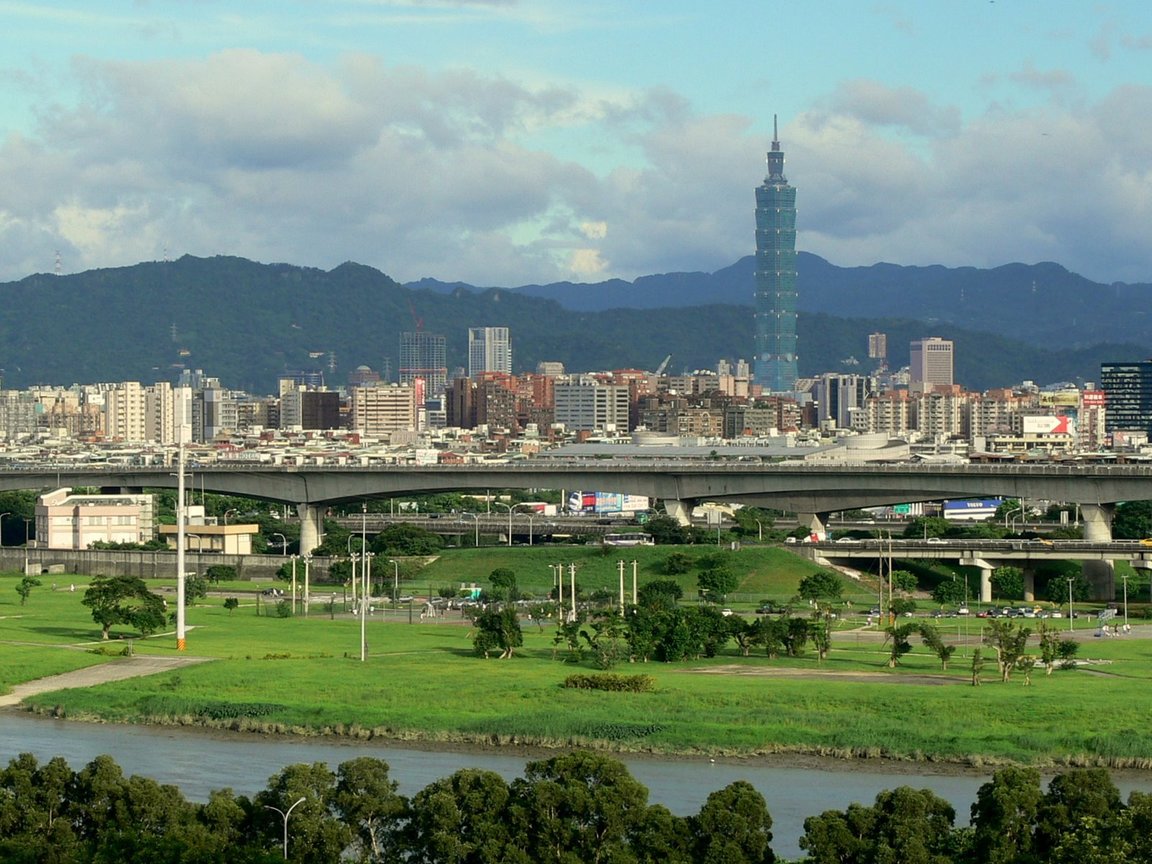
(422,680)
(573,808)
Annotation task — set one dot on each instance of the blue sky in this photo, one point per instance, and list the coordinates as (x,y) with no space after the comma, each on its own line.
(506,143)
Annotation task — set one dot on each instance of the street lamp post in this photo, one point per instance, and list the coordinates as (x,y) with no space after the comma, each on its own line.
(284,815)
(294,557)
(307,588)
(283,543)
(1070,580)
(476,520)
(352,555)
(509,508)
(529,515)
(226,514)
(1125,578)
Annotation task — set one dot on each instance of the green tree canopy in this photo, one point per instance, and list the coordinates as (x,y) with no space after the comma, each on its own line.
(404,539)
(124,600)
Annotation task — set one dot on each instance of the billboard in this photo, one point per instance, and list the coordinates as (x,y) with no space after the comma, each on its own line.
(972,510)
(1048,424)
(607,502)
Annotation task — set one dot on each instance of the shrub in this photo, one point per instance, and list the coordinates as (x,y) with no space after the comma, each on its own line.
(611,682)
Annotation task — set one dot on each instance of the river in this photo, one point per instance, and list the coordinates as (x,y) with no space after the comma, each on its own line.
(199,761)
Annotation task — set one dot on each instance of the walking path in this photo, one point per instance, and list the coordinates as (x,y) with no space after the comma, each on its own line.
(114,670)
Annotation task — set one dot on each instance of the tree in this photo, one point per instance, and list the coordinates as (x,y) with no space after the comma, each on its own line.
(926,526)
(823,584)
(504,584)
(231,604)
(578,807)
(461,819)
(665,531)
(24,587)
(1008,642)
(948,591)
(898,645)
(366,801)
(733,827)
(717,582)
(1054,649)
(318,837)
(903,580)
(1132,520)
(220,573)
(124,600)
(1008,582)
(905,825)
(195,588)
(404,539)
(659,594)
(677,563)
(1003,816)
(931,637)
(1073,798)
(497,629)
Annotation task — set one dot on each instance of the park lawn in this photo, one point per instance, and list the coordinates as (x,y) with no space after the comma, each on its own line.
(765,572)
(303,676)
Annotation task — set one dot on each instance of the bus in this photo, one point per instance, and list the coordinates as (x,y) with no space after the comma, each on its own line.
(634,538)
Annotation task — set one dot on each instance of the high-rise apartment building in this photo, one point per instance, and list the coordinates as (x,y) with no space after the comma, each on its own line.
(930,364)
(585,404)
(424,355)
(383,409)
(489,350)
(774,365)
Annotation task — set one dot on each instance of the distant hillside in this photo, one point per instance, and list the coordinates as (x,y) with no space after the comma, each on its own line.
(246,323)
(1040,303)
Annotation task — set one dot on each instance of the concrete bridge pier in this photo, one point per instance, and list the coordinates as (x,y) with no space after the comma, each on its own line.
(679,510)
(311,526)
(1029,575)
(814,523)
(1100,575)
(985,576)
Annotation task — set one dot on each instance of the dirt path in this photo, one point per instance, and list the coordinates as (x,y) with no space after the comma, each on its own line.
(115,670)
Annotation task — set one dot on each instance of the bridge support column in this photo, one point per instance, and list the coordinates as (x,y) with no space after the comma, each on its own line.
(985,576)
(681,511)
(814,523)
(1029,575)
(1100,575)
(311,527)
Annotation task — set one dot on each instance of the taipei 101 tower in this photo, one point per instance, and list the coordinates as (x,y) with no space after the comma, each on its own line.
(774,366)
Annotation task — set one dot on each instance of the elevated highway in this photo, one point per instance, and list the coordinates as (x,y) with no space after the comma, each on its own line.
(813,491)
(985,555)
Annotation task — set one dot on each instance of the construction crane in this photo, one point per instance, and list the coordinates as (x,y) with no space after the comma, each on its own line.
(660,369)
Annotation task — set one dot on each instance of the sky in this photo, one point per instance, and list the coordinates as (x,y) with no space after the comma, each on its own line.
(512,142)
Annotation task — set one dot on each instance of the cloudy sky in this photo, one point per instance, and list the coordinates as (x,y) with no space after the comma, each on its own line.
(505,142)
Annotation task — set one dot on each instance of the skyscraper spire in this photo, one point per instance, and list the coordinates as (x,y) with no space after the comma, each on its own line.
(775,366)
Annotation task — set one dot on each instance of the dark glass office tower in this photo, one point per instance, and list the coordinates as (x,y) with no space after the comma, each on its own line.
(775,349)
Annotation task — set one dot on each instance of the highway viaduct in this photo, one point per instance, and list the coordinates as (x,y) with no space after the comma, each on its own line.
(813,491)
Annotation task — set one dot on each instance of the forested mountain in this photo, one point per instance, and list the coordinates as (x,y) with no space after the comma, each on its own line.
(246,323)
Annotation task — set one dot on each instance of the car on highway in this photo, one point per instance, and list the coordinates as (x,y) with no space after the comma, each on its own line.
(934,540)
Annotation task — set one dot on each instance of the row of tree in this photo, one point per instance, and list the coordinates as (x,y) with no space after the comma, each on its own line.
(569,809)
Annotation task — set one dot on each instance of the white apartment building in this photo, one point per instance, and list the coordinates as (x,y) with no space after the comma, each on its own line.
(125,412)
(381,409)
(583,404)
(67,521)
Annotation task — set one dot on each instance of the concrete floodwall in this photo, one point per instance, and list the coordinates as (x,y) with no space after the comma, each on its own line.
(146,565)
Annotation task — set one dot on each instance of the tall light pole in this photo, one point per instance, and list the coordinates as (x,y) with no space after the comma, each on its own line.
(283,543)
(226,513)
(1125,578)
(284,815)
(528,514)
(395,579)
(294,557)
(307,589)
(509,508)
(181,542)
(1070,579)
(352,556)
(476,519)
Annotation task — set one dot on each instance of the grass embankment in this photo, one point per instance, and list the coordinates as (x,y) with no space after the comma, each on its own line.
(420,681)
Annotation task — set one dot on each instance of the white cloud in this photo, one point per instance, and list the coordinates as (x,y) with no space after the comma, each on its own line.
(453,175)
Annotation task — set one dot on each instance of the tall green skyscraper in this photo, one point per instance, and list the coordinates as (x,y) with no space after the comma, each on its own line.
(774,367)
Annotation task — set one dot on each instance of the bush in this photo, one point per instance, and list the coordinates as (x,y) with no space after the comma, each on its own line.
(611,683)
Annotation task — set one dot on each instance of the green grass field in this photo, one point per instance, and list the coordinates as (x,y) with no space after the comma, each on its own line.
(303,675)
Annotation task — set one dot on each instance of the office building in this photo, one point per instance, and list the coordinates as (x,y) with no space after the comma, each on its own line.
(584,404)
(489,350)
(774,365)
(1128,396)
(424,355)
(930,364)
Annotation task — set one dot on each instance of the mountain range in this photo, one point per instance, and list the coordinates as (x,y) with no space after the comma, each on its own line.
(247,322)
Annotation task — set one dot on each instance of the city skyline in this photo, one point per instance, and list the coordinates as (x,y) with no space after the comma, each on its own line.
(579,144)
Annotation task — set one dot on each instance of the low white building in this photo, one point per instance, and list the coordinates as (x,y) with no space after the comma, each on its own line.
(67,521)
